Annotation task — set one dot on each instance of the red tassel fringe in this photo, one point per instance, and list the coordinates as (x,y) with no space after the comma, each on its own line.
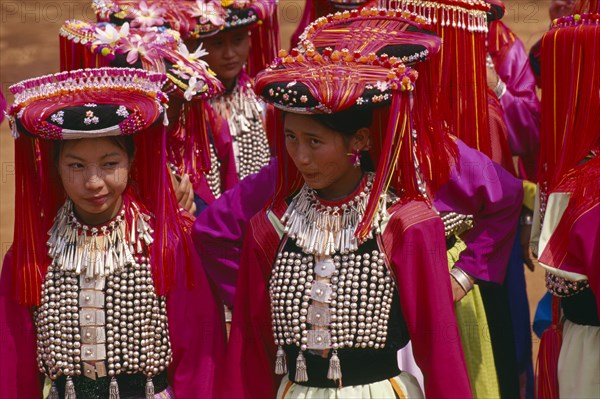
(547,362)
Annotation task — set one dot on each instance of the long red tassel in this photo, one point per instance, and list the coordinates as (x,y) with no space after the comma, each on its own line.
(547,362)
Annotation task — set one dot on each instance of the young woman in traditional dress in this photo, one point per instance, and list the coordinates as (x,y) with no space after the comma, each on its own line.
(100,291)
(241,37)
(345,265)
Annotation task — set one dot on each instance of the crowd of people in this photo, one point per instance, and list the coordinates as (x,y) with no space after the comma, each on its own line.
(200,213)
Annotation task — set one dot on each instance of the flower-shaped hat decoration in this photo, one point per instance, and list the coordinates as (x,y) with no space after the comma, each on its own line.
(174,14)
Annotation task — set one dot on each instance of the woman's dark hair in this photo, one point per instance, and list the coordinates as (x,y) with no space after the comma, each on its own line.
(346,122)
(125,143)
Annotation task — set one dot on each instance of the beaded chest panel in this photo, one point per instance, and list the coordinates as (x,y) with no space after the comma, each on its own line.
(321,303)
(102,326)
(332,302)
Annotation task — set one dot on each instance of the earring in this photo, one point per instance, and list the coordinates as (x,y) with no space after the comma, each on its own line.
(355,157)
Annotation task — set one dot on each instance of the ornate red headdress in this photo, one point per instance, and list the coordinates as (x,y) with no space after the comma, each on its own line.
(571,85)
(587,7)
(357,74)
(457,72)
(402,37)
(201,18)
(85,104)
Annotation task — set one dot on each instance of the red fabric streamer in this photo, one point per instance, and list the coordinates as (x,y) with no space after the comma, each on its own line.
(570,127)
(547,362)
(264,38)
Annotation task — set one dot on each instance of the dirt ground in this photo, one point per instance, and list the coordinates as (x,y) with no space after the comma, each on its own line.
(29,48)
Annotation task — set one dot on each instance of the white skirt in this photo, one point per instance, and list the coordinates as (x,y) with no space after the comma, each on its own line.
(579,362)
(403,386)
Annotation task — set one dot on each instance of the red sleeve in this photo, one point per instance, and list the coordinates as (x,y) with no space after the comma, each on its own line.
(249,372)
(196,331)
(415,245)
(19,375)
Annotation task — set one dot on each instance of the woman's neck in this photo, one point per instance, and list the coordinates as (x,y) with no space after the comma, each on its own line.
(343,187)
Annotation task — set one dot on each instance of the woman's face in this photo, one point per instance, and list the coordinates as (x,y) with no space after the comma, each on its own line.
(321,155)
(94,174)
(227,53)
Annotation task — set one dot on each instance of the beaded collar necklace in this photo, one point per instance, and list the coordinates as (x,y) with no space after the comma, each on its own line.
(324,229)
(100,250)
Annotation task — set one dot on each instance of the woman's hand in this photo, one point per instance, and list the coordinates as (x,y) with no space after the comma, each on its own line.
(461,283)
(184,192)
(457,292)
(492,78)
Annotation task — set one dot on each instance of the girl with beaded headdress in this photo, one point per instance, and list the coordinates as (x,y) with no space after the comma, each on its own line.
(191,148)
(489,199)
(200,143)
(241,37)
(99,292)
(446,19)
(566,224)
(338,266)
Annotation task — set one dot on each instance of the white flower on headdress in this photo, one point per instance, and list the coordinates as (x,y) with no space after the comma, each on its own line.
(122,111)
(58,117)
(110,35)
(90,118)
(137,45)
(195,86)
(209,11)
(104,7)
(195,56)
(148,16)
(382,85)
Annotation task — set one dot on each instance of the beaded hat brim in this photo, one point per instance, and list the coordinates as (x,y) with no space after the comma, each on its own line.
(348,4)
(372,36)
(311,88)
(88,103)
